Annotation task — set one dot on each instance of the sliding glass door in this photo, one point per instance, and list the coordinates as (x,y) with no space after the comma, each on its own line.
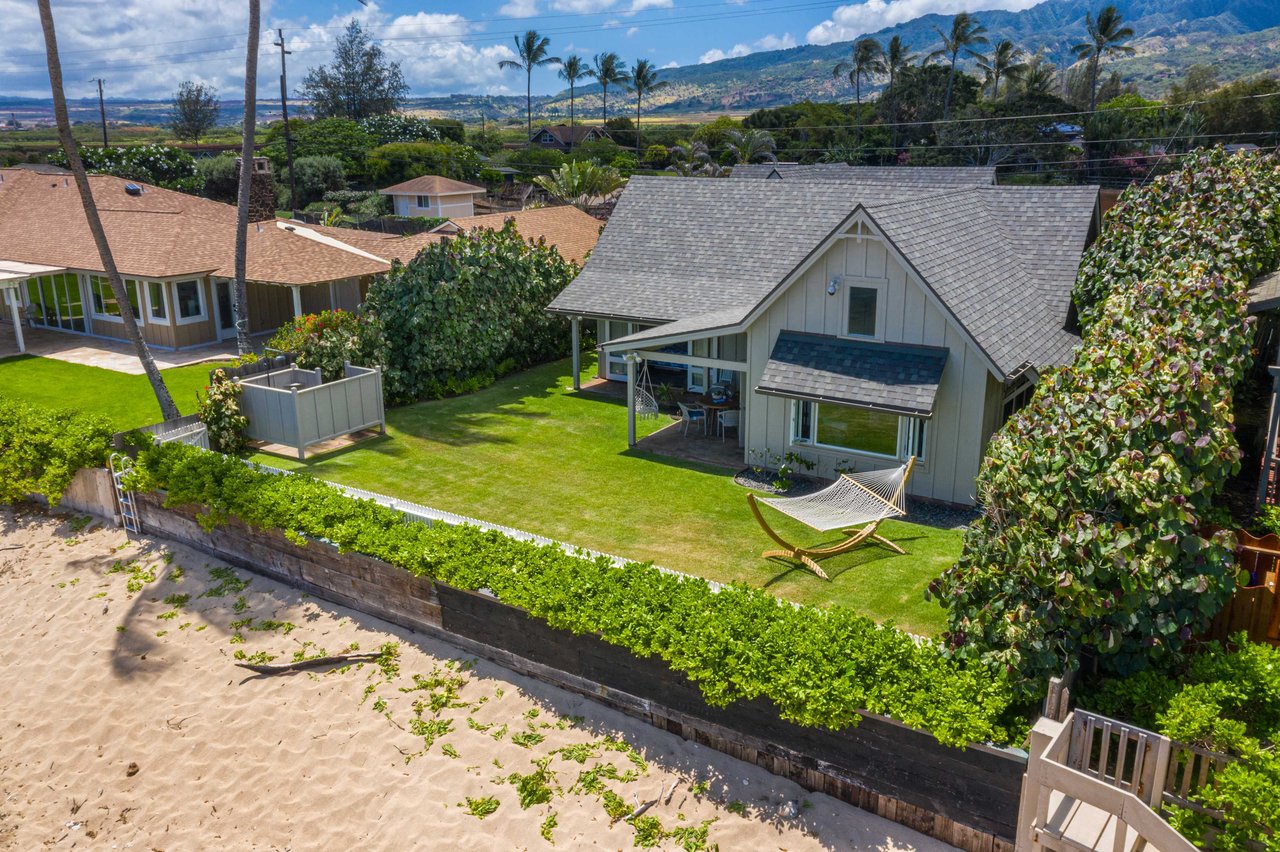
(55,301)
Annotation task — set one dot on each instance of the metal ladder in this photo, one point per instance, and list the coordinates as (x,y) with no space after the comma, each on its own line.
(126,500)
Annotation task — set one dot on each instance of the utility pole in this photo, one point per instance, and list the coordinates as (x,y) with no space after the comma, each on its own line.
(102,109)
(284,110)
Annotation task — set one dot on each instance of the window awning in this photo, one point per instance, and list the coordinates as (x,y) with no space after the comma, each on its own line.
(894,377)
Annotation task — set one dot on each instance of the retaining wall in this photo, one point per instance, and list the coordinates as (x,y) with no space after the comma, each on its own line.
(966,797)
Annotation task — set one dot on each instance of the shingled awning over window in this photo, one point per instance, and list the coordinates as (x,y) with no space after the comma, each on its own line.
(894,377)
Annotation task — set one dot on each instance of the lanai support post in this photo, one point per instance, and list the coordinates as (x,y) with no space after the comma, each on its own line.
(632,359)
(575,332)
(1273,434)
(11,296)
(297,300)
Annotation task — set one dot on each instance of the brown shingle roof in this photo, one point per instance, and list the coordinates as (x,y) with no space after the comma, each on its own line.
(567,228)
(431,185)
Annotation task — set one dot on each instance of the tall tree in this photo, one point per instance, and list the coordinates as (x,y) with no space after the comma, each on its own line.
(1037,79)
(751,146)
(1105,37)
(644,81)
(130,323)
(239,289)
(897,55)
(195,110)
(866,59)
(572,69)
(360,83)
(1005,62)
(966,33)
(534,51)
(608,69)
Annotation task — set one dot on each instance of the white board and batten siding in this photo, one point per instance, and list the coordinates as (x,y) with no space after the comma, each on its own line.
(968,399)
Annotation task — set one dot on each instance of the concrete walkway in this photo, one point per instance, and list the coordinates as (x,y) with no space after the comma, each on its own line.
(109,354)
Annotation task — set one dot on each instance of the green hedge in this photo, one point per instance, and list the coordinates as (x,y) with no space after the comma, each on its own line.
(41,449)
(1095,494)
(817,666)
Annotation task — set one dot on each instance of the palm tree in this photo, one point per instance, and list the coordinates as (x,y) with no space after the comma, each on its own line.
(534,51)
(751,146)
(965,34)
(1105,35)
(644,81)
(897,56)
(608,70)
(867,59)
(1037,79)
(581,183)
(167,409)
(572,70)
(692,158)
(1005,61)
(239,290)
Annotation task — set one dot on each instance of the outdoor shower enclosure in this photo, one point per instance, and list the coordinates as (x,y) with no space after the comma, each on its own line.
(298,409)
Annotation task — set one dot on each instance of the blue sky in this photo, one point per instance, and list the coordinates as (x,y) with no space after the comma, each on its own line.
(144,48)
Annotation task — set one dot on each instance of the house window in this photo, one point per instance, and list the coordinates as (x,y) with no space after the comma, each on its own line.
(156,307)
(104,300)
(862,311)
(1016,398)
(858,430)
(424,200)
(190,298)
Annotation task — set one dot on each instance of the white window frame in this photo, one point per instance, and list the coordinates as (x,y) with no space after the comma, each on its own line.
(881,286)
(139,285)
(909,443)
(164,302)
(177,303)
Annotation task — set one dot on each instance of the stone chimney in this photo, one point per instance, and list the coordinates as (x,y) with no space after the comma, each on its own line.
(262,190)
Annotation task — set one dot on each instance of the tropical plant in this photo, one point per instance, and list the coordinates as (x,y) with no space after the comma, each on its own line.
(691,159)
(195,110)
(69,147)
(44,448)
(964,37)
(1004,63)
(581,183)
(360,83)
(220,413)
(644,81)
(1105,37)
(394,127)
(572,69)
(608,69)
(162,165)
(1037,78)
(751,146)
(239,288)
(400,161)
(897,56)
(328,341)
(313,177)
(534,51)
(866,60)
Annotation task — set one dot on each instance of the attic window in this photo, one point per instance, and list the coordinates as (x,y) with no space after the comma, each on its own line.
(132,189)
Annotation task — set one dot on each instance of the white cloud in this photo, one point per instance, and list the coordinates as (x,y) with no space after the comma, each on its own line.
(671,64)
(848,22)
(773,42)
(611,24)
(631,31)
(715,54)
(519,8)
(641,5)
(582,6)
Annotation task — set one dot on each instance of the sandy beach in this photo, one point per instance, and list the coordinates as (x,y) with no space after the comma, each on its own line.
(125,724)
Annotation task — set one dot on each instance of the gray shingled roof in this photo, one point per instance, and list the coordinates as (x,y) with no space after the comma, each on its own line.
(1264,293)
(885,376)
(706,252)
(899,175)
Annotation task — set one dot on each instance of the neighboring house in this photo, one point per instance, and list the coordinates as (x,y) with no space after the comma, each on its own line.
(862,320)
(176,254)
(562,137)
(434,196)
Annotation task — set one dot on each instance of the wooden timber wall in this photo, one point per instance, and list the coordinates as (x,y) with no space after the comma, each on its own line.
(965,797)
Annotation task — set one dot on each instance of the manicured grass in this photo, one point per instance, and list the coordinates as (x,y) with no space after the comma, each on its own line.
(127,401)
(528,452)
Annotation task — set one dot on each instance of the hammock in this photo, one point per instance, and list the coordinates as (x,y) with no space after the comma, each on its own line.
(855,504)
(646,404)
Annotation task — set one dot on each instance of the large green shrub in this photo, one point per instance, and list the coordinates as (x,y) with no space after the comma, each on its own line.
(817,666)
(400,161)
(334,137)
(161,165)
(396,127)
(218,177)
(1095,496)
(221,415)
(327,340)
(466,310)
(313,177)
(41,449)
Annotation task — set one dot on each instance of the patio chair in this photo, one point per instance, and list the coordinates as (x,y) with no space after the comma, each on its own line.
(727,420)
(691,414)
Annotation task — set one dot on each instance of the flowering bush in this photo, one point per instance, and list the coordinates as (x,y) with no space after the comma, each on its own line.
(326,340)
(220,413)
(394,127)
(160,165)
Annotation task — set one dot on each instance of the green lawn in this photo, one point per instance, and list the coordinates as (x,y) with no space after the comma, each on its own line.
(530,453)
(127,401)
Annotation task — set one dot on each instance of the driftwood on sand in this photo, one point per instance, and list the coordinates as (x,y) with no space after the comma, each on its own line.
(285,668)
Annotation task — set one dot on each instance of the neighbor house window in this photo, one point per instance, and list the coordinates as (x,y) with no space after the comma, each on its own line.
(190,298)
(155,301)
(424,200)
(863,304)
(104,300)
(858,430)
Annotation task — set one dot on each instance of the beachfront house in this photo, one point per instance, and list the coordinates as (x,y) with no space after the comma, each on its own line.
(176,254)
(433,196)
(857,320)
